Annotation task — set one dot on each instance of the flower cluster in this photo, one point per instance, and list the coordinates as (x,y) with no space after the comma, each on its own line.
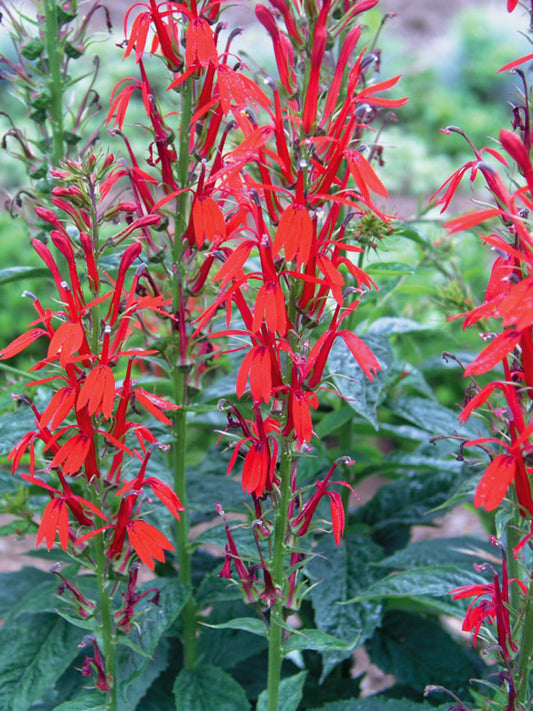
(84,432)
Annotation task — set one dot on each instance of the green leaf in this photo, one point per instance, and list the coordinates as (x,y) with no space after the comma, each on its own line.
(404,502)
(317,641)
(87,702)
(419,652)
(402,463)
(379,703)
(247,624)
(390,268)
(432,580)
(334,420)
(461,552)
(137,671)
(348,565)
(214,642)
(208,688)
(13,426)
(141,679)
(18,273)
(14,586)
(32,49)
(34,652)
(391,325)
(290,694)
(362,395)
(432,417)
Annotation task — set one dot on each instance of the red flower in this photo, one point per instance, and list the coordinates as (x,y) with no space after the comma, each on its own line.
(302,522)
(491,603)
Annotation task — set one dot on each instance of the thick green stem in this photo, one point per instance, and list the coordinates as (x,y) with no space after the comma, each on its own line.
(525,650)
(55,78)
(106,620)
(189,616)
(275,631)
(180,377)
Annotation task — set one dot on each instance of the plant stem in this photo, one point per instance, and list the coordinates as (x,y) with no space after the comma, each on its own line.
(525,650)
(189,616)
(106,620)
(275,630)
(55,79)
(179,376)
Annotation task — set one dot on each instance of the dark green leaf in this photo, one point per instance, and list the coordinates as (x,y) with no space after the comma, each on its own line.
(17,273)
(247,624)
(32,49)
(418,652)
(208,688)
(87,702)
(432,580)
(379,703)
(214,643)
(348,565)
(390,268)
(404,502)
(319,642)
(432,417)
(390,326)
(13,426)
(362,395)
(34,652)
(137,671)
(290,694)
(460,552)
(14,586)
(334,420)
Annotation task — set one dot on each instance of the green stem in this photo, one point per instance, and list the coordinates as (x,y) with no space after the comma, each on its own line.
(525,650)
(275,630)
(179,376)
(106,620)
(55,78)
(189,616)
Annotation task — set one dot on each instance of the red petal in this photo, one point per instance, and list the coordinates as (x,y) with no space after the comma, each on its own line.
(495,482)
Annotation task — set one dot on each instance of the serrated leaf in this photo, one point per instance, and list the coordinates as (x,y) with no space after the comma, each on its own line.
(14,586)
(17,273)
(141,682)
(290,694)
(333,421)
(208,688)
(390,268)
(87,702)
(247,624)
(461,552)
(419,652)
(361,394)
(399,462)
(13,426)
(214,642)
(431,416)
(136,671)
(392,325)
(379,703)
(404,502)
(34,652)
(431,580)
(317,641)
(348,565)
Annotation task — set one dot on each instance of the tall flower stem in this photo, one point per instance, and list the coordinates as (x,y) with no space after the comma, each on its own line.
(275,630)
(525,650)
(179,378)
(106,620)
(55,79)
(106,613)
